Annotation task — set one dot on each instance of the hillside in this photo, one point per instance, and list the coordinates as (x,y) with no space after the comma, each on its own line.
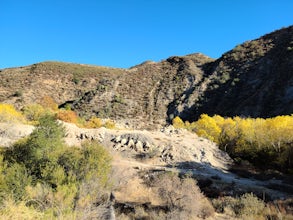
(254,79)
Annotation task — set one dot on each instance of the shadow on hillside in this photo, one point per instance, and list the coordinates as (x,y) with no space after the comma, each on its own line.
(215,183)
(248,171)
(211,183)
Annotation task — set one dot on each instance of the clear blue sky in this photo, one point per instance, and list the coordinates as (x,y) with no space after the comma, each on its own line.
(123,33)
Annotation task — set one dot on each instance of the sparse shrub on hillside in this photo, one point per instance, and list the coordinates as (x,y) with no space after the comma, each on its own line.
(76,78)
(67,107)
(182,196)
(249,50)
(9,114)
(118,99)
(18,93)
(224,77)
(247,206)
(250,205)
(237,53)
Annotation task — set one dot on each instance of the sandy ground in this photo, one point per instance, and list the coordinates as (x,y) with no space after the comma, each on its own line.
(9,133)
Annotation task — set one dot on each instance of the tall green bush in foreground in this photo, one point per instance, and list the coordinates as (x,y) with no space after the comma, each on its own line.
(51,179)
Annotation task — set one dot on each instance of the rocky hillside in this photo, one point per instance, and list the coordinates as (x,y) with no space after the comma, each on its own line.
(254,79)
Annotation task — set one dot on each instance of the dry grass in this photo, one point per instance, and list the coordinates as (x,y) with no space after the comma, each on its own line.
(11,210)
(167,196)
(136,191)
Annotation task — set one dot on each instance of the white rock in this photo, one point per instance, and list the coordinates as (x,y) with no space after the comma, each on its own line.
(117,139)
(139,146)
(123,141)
(130,143)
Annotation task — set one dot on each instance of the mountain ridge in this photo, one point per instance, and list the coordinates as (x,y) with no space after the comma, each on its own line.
(254,79)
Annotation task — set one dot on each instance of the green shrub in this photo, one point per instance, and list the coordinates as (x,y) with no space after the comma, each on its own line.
(17,178)
(33,112)
(17,93)
(13,180)
(53,179)
(37,151)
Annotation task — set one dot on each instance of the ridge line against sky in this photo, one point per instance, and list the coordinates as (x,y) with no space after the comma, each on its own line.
(125,33)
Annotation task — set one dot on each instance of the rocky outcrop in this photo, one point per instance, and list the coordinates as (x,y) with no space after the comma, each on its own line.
(166,145)
(135,141)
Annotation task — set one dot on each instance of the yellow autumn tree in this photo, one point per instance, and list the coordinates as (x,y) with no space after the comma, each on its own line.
(109,124)
(178,123)
(67,116)
(261,133)
(9,114)
(264,142)
(229,134)
(207,127)
(49,103)
(280,130)
(94,122)
(245,129)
